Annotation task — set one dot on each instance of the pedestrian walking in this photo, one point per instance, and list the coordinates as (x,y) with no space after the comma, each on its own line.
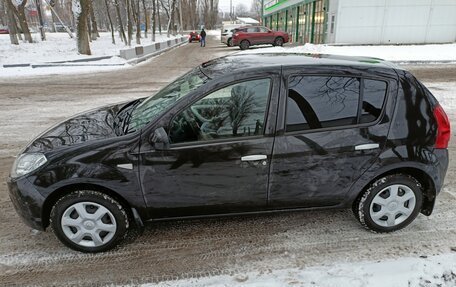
(203,38)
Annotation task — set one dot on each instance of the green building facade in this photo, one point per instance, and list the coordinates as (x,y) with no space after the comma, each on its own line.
(305,20)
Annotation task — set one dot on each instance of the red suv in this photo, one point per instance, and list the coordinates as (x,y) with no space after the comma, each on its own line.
(245,37)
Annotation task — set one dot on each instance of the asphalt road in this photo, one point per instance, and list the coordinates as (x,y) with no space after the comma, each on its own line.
(185,249)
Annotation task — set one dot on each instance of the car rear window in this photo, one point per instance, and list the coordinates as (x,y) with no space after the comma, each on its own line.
(316,102)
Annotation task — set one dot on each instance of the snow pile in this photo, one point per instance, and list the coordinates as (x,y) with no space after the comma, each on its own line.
(430,272)
(435,52)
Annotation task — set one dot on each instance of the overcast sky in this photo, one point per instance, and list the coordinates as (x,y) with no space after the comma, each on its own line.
(224,5)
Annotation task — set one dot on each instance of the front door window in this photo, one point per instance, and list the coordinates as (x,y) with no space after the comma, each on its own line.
(231,112)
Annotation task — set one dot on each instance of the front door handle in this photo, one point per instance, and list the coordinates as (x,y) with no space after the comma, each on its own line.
(254,157)
(367,146)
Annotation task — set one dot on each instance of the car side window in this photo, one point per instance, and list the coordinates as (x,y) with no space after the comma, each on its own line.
(234,111)
(321,102)
(263,30)
(252,30)
(374,93)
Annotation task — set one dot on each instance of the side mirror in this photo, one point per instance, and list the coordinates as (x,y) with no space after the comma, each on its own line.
(159,139)
(269,31)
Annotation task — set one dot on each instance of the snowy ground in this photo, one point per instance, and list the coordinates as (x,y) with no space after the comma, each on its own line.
(400,53)
(60,47)
(438,271)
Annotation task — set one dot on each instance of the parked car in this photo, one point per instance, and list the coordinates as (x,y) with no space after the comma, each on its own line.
(4,30)
(227,33)
(193,36)
(241,134)
(257,35)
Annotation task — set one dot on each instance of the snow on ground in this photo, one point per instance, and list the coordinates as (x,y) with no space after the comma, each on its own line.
(426,272)
(60,47)
(401,53)
(216,33)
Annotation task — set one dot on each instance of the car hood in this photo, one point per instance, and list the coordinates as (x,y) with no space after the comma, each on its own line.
(102,123)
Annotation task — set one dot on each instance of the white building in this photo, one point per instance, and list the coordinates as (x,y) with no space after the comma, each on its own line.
(363,21)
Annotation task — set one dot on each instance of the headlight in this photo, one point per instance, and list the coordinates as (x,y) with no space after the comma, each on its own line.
(26,163)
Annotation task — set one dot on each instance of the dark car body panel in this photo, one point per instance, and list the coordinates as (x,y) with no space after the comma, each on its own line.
(315,168)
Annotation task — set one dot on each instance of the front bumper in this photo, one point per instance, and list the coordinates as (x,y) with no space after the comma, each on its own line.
(27,201)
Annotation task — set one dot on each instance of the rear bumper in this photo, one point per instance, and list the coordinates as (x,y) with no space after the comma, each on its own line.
(27,201)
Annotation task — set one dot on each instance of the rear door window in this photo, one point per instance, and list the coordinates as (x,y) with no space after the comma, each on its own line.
(316,102)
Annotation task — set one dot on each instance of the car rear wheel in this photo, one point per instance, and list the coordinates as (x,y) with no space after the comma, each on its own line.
(278,41)
(230,42)
(244,45)
(89,221)
(390,203)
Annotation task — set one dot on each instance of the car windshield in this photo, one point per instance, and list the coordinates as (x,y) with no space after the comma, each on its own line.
(153,106)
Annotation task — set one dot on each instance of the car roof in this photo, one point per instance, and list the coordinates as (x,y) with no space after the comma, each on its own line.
(248,61)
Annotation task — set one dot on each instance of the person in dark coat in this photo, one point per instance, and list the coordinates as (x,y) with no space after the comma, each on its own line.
(203,38)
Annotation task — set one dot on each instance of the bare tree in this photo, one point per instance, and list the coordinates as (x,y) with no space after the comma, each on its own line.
(120,23)
(81,14)
(94,32)
(129,22)
(110,22)
(154,16)
(241,10)
(20,13)
(146,18)
(12,25)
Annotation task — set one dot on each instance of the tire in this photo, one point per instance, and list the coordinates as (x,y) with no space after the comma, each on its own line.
(95,235)
(389,204)
(230,42)
(244,45)
(278,41)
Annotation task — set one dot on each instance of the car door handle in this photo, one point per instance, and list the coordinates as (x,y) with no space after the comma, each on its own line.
(367,146)
(254,157)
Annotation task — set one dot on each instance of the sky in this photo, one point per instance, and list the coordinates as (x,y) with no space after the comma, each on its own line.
(224,5)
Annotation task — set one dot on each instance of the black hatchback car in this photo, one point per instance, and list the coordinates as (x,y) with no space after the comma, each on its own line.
(241,134)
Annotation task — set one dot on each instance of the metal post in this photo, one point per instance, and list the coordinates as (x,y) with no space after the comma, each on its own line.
(40,17)
(297,24)
(60,20)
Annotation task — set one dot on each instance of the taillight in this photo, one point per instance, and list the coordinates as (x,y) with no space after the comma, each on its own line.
(443,128)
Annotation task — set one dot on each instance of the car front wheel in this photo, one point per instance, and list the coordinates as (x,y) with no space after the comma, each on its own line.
(278,41)
(89,221)
(244,45)
(230,42)
(390,203)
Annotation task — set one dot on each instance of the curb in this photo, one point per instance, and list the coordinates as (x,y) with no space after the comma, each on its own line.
(146,57)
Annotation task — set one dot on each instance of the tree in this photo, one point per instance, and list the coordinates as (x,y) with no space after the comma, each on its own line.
(12,25)
(241,10)
(81,13)
(110,22)
(20,13)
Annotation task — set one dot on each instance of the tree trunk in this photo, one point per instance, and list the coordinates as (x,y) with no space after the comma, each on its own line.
(154,15)
(158,18)
(110,22)
(146,18)
(12,25)
(129,22)
(23,22)
(82,33)
(89,27)
(121,26)
(136,18)
(94,32)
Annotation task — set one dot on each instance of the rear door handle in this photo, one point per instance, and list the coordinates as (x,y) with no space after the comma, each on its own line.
(367,146)
(254,157)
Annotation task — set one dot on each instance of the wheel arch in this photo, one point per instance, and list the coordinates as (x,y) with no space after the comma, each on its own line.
(64,190)
(426,181)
